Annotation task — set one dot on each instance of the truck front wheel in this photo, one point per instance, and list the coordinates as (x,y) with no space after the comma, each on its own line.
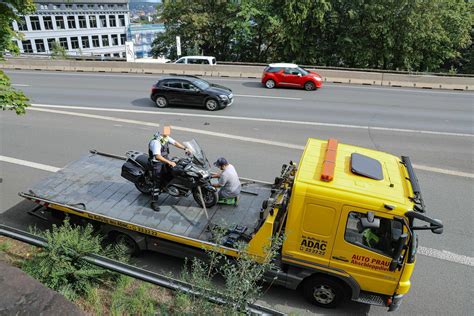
(323,291)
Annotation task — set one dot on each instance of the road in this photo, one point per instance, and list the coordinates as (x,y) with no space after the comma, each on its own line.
(260,131)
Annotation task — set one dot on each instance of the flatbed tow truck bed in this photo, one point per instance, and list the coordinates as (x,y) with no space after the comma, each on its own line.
(92,186)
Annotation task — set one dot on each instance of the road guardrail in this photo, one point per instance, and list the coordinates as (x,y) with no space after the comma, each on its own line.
(138,273)
(238,71)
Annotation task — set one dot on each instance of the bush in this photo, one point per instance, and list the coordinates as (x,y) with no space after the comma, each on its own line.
(61,265)
(242,279)
(132,298)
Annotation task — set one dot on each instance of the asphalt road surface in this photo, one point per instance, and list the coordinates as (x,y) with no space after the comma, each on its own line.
(75,112)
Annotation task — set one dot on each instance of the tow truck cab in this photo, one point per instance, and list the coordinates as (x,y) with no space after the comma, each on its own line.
(349,229)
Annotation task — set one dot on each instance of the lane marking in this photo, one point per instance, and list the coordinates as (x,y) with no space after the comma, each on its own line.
(444,171)
(446,255)
(20,85)
(228,136)
(254,119)
(34,165)
(266,97)
(429,252)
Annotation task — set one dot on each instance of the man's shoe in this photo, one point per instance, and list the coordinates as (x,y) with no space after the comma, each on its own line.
(155,206)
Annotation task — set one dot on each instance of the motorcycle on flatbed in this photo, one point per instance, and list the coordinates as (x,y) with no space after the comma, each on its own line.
(190,175)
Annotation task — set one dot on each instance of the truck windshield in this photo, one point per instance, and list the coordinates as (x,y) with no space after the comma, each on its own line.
(198,154)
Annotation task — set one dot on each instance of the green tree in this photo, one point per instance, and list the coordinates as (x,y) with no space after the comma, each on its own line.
(11,98)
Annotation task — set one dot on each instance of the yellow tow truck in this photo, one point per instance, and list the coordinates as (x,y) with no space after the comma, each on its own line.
(347,213)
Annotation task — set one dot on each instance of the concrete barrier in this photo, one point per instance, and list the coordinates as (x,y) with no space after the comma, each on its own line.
(333,76)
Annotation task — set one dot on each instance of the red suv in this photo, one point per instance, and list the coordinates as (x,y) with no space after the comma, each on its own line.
(290,75)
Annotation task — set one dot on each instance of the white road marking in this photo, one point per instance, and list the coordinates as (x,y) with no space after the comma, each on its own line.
(254,119)
(444,171)
(229,136)
(265,97)
(29,164)
(429,252)
(20,85)
(446,255)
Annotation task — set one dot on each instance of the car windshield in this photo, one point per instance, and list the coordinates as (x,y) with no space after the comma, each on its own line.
(201,84)
(303,71)
(198,154)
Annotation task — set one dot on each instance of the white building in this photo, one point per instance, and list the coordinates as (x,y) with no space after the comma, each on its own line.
(82,27)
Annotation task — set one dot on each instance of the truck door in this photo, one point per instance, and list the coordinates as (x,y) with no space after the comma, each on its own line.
(366,253)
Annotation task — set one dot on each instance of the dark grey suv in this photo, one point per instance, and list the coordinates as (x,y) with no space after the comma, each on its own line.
(191,91)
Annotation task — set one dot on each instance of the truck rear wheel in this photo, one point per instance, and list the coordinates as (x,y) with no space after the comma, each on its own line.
(324,291)
(128,242)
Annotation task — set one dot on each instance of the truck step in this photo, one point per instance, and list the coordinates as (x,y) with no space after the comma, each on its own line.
(372,299)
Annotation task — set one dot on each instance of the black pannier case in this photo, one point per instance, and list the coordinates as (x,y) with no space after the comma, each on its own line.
(131,171)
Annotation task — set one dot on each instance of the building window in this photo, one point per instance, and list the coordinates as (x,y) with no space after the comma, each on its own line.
(123,39)
(105,40)
(74,43)
(27,47)
(63,43)
(85,41)
(60,23)
(103,21)
(117,55)
(51,42)
(121,20)
(112,21)
(48,22)
(71,22)
(95,41)
(40,46)
(91,6)
(35,23)
(92,21)
(114,39)
(22,24)
(82,22)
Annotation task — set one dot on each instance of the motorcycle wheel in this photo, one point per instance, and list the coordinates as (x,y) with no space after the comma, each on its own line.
(210,197)
(144,186)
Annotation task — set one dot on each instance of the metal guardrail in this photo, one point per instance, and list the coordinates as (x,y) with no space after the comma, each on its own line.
(135,272)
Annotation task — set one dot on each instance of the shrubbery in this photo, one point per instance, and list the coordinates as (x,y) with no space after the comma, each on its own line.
(61,265)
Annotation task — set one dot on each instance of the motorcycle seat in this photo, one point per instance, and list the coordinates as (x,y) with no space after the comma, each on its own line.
(143,161)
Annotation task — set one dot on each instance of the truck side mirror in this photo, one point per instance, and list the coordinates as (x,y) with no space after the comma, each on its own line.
(398,252)
(436,229)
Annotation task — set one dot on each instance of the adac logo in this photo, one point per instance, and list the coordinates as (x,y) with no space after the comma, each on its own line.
(313,245)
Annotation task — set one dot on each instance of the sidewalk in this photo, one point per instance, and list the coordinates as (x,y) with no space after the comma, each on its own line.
(23,295)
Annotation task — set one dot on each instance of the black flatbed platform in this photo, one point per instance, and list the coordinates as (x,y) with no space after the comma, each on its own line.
(93,184)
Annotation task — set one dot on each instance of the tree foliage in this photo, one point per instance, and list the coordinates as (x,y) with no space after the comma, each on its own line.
(10,98)
(413,35)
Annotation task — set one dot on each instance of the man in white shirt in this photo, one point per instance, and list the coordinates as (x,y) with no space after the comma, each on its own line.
(229,183)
